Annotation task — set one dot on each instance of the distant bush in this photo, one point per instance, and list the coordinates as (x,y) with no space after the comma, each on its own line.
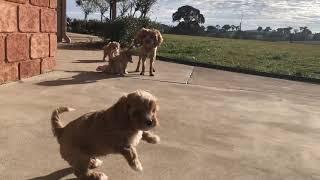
(122,29)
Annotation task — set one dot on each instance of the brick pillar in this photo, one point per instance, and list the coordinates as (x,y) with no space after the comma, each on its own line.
(28,38)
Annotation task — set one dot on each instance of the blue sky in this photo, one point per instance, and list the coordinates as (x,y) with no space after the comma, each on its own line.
(273,13)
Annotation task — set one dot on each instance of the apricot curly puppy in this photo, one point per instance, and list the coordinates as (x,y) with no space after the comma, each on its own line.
(116,130)
(148,40)
(111,50)
(118,64)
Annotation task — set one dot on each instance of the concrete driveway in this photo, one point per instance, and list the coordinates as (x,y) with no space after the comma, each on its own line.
(214,124)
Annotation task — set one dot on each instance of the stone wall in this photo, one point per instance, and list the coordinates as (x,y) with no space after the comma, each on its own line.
(28,40)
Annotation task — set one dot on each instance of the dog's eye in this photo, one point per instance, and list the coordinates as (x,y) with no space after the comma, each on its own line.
(154,110)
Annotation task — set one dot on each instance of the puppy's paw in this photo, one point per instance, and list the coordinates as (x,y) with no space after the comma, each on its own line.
(142,73)
(151,74)
(95,163)
(154,139)
(94,176)
(97,176)
(136,165)
(103,177)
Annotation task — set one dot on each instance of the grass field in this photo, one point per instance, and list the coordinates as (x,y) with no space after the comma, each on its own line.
(273,57)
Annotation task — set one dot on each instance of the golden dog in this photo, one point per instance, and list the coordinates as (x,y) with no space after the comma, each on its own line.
(116,130)
(118,64)
(149,40)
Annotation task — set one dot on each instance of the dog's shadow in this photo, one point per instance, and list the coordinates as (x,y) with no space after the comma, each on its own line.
(83,77)
(56,175)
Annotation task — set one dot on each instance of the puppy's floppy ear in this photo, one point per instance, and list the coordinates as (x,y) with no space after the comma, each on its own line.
(106,46)
(158,37)
(122,106)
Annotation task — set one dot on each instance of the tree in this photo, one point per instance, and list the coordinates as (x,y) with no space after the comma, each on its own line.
(226,27)
(280,30)
(259,29)
(287,30)
(189,15)
(233,27)
(267,29)
(316,37)
(113,9)
(102,6)
(305,30)
(212,29)
(189,19)
(87,6)
(144,6)
(126,6)
(305,33)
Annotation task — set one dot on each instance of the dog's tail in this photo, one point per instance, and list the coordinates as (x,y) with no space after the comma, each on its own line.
(56,125)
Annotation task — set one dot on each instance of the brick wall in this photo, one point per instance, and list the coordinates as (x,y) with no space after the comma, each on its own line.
(28,38)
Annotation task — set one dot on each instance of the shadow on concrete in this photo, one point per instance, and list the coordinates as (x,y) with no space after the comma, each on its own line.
(56,175)
(88,61)
(83,77)
(82,46)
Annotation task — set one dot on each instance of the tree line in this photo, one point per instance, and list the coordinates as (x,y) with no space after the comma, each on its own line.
(134,8)
(190,21)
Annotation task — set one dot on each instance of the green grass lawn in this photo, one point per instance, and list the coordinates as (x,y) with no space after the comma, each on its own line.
(273,57)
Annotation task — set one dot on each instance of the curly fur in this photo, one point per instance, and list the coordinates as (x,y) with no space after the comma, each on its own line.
(118,64)
(116,130)
(111,50)
(149,40)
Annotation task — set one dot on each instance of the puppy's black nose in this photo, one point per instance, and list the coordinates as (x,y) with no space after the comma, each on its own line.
(149,123)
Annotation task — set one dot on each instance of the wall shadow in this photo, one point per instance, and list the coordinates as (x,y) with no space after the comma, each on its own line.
(83,77)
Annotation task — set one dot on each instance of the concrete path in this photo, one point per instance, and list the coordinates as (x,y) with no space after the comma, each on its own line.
(214,124)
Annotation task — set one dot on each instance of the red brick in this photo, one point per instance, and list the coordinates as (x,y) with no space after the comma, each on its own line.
(29,19)
(43,3)
(18,1)
(17,47)
(53,3)
(9,72)
(39,46)
(48,20)
(53,45)
(29,68)
(47,64)
(2,49)
(8,17)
